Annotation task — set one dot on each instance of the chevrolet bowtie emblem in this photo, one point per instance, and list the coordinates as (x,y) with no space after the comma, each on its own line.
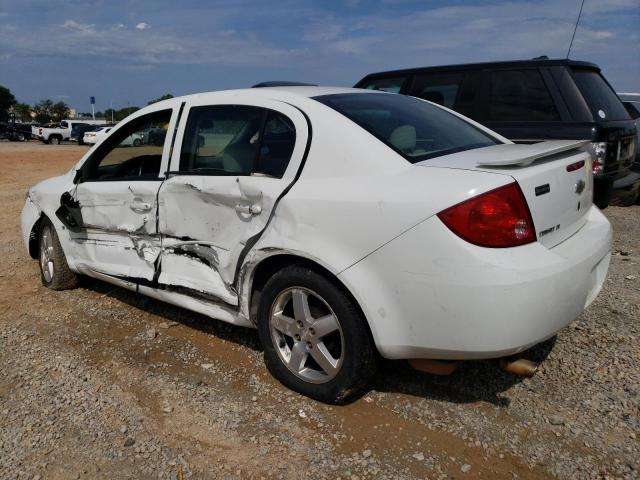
(579,186)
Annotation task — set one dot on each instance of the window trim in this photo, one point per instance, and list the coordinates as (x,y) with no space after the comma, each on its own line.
(108,146)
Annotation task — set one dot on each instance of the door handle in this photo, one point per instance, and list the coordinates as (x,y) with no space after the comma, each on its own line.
(248,209)
(140,206)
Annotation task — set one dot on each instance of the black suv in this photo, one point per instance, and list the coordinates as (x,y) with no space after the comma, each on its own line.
(529,101)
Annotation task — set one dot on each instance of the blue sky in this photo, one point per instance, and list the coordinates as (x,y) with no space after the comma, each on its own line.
(133,50)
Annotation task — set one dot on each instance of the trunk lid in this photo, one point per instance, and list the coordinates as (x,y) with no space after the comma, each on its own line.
(555,178)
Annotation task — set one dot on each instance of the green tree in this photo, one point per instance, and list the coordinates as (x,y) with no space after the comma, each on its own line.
(166,96)
(22,111)
(59,111)
(7,100)
(119,114)
(43,111)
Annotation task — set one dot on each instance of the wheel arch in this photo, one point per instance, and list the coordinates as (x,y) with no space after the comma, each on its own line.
(259,272)
(33,236)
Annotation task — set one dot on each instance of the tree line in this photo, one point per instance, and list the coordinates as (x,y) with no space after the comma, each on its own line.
(47,111)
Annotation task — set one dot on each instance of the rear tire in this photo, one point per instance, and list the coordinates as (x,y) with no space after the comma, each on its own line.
(315,340)
(54,140)
(54,270)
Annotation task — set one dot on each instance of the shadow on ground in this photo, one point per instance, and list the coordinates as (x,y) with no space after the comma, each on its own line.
(471,382)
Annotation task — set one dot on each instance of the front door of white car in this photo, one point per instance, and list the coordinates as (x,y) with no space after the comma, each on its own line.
(229,166)
(117,195)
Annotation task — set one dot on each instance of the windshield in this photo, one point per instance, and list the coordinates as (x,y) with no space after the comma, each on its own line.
(602,100)
(414,128)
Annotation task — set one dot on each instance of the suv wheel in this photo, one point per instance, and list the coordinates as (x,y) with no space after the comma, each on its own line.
(314,338)
(54,271)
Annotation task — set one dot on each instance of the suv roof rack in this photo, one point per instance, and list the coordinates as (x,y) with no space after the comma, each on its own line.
(278,83)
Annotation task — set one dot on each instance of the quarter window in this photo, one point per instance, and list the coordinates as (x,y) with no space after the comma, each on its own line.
(134,151)
(520,95)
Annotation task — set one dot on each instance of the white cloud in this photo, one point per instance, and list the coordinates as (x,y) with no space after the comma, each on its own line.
(142,26)
(82,28)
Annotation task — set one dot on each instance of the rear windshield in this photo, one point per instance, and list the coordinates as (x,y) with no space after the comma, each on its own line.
(416,129)
(602,100)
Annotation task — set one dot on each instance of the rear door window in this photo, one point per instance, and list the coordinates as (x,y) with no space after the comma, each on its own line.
(602,100)
(440,88)
(237,140)
(520,95)
(392,85)
(221,139)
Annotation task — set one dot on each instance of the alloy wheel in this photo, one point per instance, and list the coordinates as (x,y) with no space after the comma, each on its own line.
(307,335)
(46,254)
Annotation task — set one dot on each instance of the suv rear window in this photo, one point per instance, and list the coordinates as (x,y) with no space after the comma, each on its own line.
(415,129)
(602,100)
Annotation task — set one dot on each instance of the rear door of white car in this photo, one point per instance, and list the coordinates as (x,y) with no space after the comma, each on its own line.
(231,163)
(117,195)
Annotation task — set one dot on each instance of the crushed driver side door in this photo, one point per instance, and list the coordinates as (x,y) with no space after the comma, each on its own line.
(117,197)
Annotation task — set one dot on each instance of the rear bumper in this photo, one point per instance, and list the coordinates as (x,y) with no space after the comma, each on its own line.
(429,294)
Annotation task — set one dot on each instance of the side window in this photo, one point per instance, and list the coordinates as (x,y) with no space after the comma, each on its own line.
(520,95)
(221,139)
(440,88)
(132,152)
(278,140)
(392,85)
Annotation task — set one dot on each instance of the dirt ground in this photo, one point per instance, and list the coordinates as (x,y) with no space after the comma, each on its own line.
(100,383)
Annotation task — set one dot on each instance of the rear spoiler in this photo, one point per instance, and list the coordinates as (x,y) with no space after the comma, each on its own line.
(524,155)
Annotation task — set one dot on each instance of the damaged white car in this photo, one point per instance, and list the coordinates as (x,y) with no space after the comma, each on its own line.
(343,224)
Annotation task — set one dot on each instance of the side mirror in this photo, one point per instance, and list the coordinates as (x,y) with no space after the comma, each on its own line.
(69,213)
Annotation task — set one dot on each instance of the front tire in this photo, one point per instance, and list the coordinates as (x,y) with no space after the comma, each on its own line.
(54,270)
(315,340)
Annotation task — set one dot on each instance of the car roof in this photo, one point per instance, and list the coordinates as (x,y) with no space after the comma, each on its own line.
(489,65)
(276,93)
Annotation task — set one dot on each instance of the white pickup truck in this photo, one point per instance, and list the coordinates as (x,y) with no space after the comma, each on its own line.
(55,134)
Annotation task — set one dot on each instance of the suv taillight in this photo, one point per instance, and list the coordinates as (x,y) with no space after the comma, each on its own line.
(599,153)
(497,219)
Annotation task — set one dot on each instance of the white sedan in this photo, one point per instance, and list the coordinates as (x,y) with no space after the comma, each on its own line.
(94,136)
(344,224)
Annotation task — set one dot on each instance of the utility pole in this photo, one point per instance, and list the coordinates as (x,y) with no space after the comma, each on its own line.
(93,105)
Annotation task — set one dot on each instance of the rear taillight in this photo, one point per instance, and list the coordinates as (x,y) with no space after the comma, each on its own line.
(496,219)
(599,154)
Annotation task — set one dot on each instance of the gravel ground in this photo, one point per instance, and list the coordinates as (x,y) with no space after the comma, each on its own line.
(101,383)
